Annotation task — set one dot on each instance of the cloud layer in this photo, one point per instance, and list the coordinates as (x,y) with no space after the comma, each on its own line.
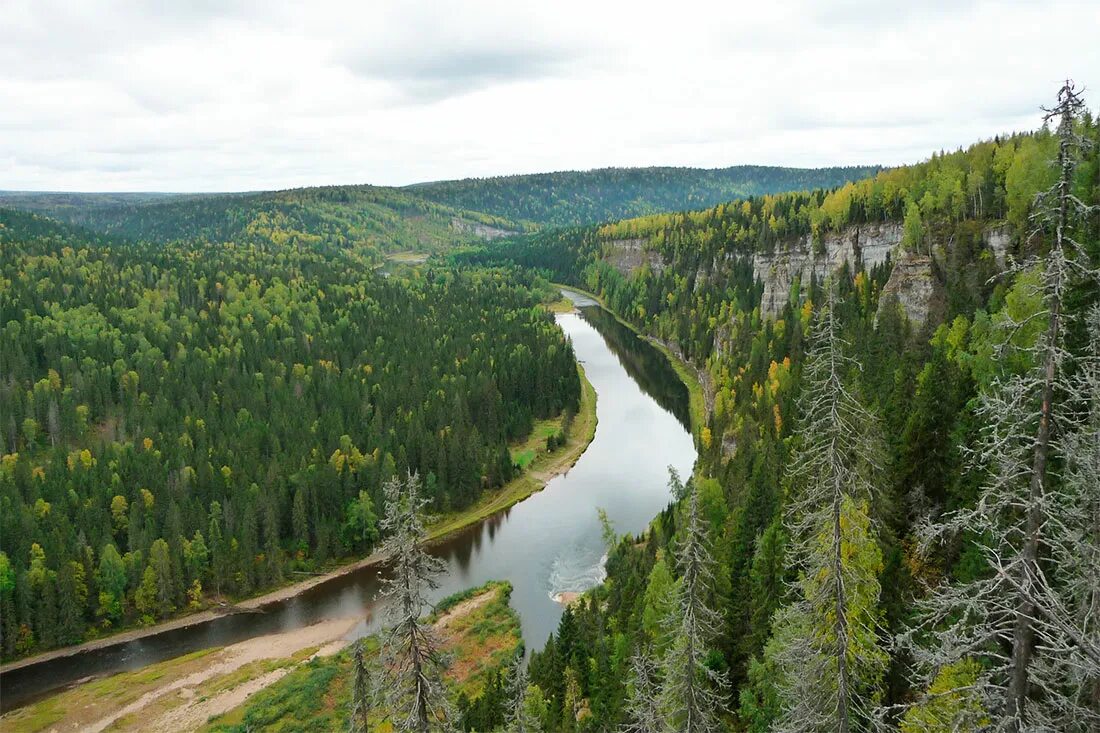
(252,95)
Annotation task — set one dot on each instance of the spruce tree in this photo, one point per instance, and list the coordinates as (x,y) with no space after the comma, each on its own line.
(360,692)
(825,643)
(1022,618)
(411,654)
(693,694)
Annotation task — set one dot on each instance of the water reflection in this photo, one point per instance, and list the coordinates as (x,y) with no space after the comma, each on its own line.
(548,543)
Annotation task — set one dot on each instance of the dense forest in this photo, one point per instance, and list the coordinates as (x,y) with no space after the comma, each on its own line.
(370,219)
(893,524)
(569,198)
(423,217)
(199,419)
(882,529)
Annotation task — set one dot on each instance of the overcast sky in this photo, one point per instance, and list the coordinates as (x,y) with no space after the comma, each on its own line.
(245,95)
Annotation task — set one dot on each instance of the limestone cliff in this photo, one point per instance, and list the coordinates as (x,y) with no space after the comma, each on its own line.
(478,229)
(862,246)
(915,286)
(630,255)
(998,239)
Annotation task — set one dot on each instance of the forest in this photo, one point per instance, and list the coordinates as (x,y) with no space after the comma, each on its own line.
(570,198)
(199,420)
(891,525)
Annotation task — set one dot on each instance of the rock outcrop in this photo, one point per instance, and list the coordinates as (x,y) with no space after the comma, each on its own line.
(862,246)
(998,239)
(478,229)
(916,288)
(630,255)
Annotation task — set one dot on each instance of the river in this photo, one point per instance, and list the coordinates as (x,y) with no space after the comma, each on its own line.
(545,545)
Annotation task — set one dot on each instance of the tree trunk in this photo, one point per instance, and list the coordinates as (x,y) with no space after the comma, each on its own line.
(843,723)
(1023,637)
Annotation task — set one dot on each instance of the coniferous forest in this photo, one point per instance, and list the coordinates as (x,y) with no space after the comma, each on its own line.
(200,418)
(899,515)
(893,523)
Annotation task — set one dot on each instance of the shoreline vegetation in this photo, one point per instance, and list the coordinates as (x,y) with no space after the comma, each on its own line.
(225,688)
(542,468)
(688,374)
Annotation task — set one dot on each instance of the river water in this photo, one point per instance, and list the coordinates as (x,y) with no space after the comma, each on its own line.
(547,544)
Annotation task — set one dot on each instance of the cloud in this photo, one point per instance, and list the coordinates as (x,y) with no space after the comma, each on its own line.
(428,74)
(129,95)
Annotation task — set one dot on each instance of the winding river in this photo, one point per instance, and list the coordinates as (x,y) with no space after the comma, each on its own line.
(547,544)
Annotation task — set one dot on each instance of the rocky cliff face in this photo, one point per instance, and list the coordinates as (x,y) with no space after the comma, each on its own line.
(630,255)
(998,239)
(478,229)
(859,246)
(915,287)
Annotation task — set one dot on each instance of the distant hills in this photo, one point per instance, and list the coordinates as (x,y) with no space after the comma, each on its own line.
(569,198)
(422,217)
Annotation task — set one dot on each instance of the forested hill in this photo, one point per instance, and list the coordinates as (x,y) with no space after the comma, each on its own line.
(193,420)
(369,219)
(568,198)
(893,300)
(425,217)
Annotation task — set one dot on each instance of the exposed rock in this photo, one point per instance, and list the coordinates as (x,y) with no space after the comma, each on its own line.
(630,255)
(998,239)
(863,246)
(914,285)
(478,229)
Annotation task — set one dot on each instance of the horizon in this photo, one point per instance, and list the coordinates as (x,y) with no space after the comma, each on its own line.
(121,192)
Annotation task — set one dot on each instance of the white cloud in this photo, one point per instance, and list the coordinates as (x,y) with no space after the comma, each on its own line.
(251,95)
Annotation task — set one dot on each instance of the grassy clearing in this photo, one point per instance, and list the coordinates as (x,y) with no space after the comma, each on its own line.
(115,691)
(559,306)
(481,632)
(412,258)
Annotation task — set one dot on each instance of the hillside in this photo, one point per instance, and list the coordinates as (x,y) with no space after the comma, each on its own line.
(186,423)
(568,198)
(915,257)
(368,219)
(424,217)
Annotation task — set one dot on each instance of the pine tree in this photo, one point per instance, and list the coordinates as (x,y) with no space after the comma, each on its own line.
(825,644)
(1019,617)
(411,650)
(693,695)
(643,710)
(524,714)
(360,692)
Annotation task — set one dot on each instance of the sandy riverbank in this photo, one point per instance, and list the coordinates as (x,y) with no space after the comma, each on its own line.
(182,694)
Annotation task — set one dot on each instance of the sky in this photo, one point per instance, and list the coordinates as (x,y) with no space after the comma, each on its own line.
(232,95)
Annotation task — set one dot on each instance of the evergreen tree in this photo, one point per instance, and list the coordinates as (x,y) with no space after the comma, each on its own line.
(527,708)
(360,692)
(1035,653)
(692,696)
(411,654)
(643,710)
(825,643)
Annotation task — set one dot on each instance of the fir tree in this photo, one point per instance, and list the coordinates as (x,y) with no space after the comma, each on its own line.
(411,650)
(1018,617)
(825,644)
(693,694)
(360,692)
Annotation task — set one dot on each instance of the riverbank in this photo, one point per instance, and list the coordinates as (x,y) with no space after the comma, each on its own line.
(224,687)
(693,379)
(539,472)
